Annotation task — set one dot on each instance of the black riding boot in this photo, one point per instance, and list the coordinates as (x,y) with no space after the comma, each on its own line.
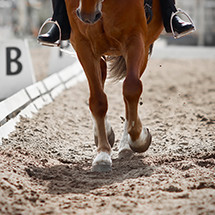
(60,15)
(179,26)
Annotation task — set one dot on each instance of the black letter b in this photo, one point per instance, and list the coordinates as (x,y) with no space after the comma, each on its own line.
(15,60)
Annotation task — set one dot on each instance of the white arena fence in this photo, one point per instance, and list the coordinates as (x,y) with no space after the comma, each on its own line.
(29,100)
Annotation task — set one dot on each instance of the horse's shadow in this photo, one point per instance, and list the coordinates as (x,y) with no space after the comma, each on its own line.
(78,178)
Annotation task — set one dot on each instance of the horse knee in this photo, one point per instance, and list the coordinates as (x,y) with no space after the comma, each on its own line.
(98,105)
(132,89)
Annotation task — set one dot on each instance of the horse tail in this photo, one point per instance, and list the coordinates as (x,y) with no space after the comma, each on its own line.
(117,67)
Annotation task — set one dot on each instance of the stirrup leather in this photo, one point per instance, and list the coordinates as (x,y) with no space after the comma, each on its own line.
(175,34)
(57,43)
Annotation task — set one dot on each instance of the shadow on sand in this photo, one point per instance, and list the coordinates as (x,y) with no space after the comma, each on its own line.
(78,178)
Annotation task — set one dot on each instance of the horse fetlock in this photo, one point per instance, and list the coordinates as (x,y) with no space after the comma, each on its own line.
(102,163)
(142,143)
(135,129)
(111,139)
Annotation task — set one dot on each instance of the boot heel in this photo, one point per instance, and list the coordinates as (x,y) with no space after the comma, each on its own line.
(55,44)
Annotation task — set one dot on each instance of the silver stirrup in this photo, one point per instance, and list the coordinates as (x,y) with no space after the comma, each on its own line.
(57,43)
(175,34)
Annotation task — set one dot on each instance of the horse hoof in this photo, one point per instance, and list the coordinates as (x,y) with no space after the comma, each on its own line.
(125,154)
(102,168)
(111,138)
(142,143)
(102,163)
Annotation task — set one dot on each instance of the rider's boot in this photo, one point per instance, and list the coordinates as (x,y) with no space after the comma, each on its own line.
(60,15)
(179,26)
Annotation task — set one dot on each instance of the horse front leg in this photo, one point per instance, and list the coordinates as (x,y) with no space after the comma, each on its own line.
(109,130)
(98,106)
(135,136)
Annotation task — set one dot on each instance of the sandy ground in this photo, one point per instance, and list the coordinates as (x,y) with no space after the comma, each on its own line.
(45,166)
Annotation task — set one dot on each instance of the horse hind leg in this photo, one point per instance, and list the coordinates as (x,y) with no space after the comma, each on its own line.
(135,137)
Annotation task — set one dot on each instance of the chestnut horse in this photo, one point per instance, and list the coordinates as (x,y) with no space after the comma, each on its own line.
(115,28)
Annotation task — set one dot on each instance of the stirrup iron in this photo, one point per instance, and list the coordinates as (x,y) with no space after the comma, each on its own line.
(57,43)
(175,34)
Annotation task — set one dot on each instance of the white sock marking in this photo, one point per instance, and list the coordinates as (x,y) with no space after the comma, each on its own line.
(141,140)
(102,158)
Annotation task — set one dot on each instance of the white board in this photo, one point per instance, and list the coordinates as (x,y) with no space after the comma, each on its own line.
(16,71)
(60,60)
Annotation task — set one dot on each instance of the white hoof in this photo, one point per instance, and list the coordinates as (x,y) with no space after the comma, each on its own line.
(102,163)
(142,143)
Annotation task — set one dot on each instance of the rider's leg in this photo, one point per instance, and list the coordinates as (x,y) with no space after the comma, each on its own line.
(179,26)
(60,15)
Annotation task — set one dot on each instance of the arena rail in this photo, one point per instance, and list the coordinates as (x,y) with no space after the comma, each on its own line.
(31,99)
